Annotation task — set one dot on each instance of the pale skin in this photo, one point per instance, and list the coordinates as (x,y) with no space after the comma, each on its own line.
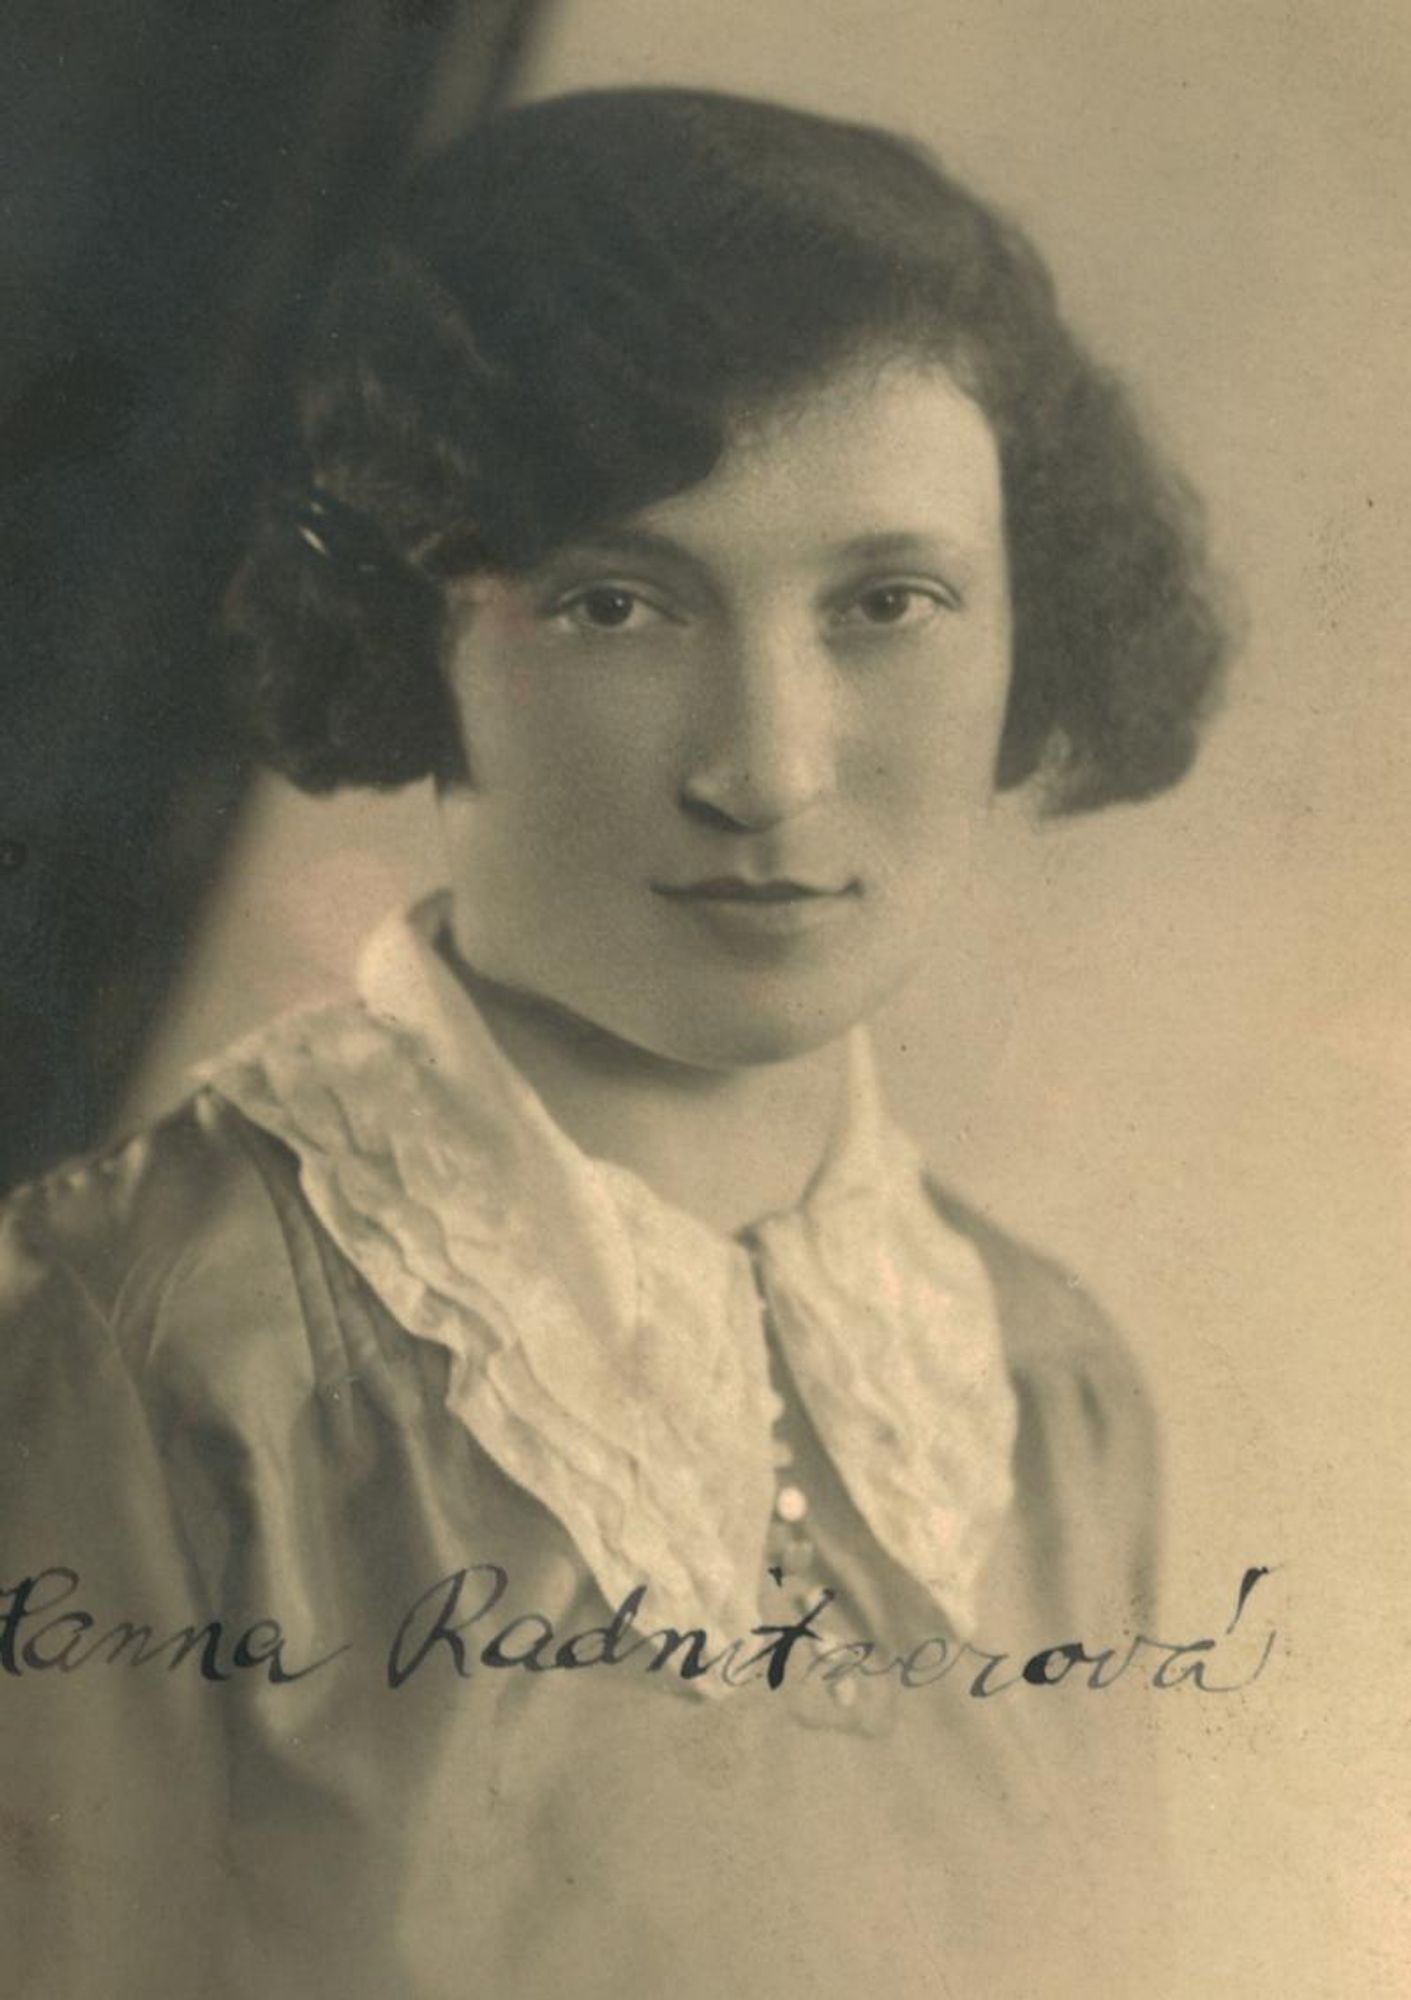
(725,763)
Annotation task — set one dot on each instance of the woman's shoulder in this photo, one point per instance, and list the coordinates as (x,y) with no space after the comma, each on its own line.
(1088,1449)
(172,1252)
(1052,1325)
(149,1199)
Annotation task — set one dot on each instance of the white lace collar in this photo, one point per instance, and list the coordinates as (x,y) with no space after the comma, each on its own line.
(606,1348)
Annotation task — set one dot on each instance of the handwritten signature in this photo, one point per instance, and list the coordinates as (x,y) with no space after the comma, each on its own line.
(43,1631)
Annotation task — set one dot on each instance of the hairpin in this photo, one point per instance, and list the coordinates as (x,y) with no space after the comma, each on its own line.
(340,534)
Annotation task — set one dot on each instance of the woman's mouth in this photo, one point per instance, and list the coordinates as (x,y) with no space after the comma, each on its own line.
(754,915)
(741,889)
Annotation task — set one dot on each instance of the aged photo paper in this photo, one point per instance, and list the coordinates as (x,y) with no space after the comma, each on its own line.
(1168,1043)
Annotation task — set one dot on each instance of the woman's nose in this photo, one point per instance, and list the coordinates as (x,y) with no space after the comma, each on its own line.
(764,750)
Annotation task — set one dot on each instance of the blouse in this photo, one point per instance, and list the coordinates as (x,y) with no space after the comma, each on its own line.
(433,1565)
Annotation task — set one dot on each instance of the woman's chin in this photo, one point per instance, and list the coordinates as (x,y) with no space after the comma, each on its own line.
(747,1037)
(744,1019)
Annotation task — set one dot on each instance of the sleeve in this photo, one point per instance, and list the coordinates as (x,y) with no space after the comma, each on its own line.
(1090,1462)
(1088,1456)
(111,1804)
(1088,1509)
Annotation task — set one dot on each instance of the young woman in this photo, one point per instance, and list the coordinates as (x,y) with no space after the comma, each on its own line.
(521,1485)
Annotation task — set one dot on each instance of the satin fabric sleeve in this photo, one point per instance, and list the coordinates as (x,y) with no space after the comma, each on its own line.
(1088,1454)
(113,1792)
(1080,1564)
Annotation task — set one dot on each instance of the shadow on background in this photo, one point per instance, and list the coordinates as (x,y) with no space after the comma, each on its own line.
(178,182)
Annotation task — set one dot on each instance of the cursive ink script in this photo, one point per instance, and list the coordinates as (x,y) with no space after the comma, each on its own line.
(439,1625)
(36,1637)
(456,1626)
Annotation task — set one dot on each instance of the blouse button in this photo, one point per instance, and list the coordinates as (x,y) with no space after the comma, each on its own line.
(790,1504)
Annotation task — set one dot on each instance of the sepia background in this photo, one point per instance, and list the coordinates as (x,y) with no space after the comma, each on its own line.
(1173,1043)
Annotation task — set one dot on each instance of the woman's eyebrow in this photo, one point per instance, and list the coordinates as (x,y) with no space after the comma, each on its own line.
(629,541)
(875,547)
(899,543)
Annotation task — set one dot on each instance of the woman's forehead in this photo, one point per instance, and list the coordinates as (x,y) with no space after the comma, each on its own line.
(872,456)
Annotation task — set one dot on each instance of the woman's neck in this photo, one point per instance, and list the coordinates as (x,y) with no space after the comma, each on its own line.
(729,1147)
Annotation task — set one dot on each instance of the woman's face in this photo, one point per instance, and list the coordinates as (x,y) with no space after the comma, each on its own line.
(726,757)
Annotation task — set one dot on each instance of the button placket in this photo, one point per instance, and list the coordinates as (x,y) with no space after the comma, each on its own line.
(791,1557)
(795,1574)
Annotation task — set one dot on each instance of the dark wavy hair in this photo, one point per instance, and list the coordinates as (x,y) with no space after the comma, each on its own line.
(559,325)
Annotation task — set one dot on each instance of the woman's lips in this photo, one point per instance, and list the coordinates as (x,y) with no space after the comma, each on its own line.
(758,916)
(738,889)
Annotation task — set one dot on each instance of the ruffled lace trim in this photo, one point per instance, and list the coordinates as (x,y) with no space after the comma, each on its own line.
(606,1348)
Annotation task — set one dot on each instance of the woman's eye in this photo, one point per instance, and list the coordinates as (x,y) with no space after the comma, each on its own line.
(608,607)
(886,605)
